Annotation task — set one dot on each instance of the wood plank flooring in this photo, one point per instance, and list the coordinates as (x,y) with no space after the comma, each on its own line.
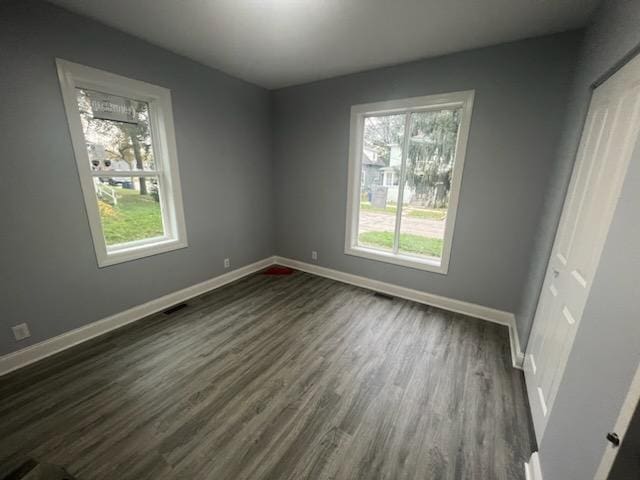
(292,377)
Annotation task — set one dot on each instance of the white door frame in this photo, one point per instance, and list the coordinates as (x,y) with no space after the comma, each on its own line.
(617,144)
(632,400)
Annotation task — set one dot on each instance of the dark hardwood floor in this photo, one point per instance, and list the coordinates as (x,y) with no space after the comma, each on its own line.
(292,377)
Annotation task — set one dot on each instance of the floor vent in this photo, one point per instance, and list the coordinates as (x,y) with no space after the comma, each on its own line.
(383,296)
(175,308)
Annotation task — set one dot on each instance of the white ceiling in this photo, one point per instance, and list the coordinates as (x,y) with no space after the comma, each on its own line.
(275,43)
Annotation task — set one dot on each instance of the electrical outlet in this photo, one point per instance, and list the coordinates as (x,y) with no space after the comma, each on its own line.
(227,264)
(314,255)
(21,331)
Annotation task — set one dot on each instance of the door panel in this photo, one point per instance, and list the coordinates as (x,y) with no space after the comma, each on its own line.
(577,189)
(611,131)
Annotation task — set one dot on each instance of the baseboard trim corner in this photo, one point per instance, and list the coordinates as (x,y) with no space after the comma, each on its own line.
(33,353)
(532,468)
(458,306)
(517,355)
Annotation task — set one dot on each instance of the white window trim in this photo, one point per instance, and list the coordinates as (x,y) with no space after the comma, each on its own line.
(463,100)
(72,76)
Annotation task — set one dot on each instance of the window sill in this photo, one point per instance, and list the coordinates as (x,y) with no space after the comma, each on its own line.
(426,264)
(126,254)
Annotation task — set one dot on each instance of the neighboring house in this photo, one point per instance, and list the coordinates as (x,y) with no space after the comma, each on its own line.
(372,165)
(99,161)
(96,154)
(391,177)
(435,194)
(375,172)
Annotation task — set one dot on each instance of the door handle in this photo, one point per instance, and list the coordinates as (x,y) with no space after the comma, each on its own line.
(556,273)
(613,438)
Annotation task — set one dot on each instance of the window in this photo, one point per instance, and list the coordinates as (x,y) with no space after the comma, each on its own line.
(123,139)
(402,208)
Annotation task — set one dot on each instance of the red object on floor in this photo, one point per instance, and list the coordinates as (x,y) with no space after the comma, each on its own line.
(277,270)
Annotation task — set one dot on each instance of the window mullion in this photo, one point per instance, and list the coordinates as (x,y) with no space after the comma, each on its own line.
(403,171)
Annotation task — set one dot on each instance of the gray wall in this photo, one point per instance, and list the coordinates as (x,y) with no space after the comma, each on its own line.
(521,93)
(605,352)
(49,276)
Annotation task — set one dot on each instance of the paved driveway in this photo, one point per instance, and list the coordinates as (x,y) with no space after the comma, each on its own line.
(380,222)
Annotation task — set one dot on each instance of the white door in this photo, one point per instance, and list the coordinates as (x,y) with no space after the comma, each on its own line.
(610,133)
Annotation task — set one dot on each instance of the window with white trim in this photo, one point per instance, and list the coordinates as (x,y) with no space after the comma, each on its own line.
(405,171)
(124,144)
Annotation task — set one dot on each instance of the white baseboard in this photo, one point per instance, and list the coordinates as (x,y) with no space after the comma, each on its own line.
(38,351)
(532,468)
(34,353)
(450,304)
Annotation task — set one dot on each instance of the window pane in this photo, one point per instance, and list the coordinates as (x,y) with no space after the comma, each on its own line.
(379,180)
(117,131)
(429,168)
(129,208)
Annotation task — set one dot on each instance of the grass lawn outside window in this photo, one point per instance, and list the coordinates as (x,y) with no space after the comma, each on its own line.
(135,217)
(409,243)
